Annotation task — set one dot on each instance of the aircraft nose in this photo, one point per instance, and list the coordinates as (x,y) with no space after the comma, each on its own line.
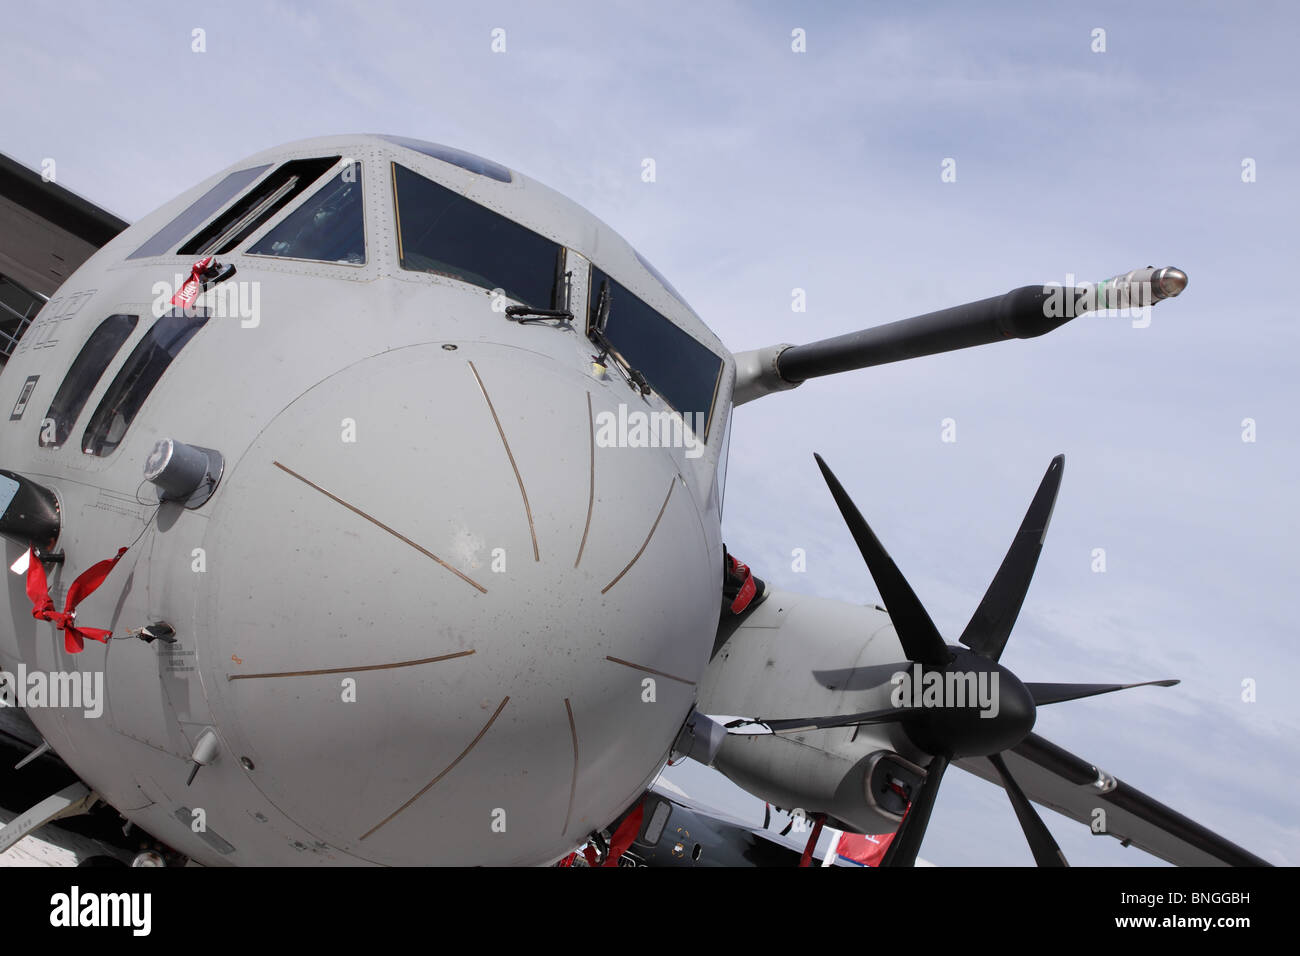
(442,623)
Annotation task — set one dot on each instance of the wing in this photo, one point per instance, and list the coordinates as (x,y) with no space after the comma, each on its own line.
(1058,779)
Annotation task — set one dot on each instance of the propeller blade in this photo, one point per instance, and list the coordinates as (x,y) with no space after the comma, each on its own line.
(916,632)
(793,725)
(907,841)
(1056,693)
(1041,843)
(991,624)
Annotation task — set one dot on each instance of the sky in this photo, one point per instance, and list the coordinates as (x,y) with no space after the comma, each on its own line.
(820,170)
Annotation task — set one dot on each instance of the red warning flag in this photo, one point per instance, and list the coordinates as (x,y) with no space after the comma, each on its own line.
(625,835)
(43,607)
(863,850)
(747,590)
(191,287)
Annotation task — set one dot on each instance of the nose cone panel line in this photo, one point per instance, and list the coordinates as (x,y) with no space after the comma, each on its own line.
(404,764)
(523,492)
(379,524)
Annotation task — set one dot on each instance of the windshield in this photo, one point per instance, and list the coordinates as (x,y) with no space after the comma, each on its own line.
(441,231)
(684,372)
(329,227)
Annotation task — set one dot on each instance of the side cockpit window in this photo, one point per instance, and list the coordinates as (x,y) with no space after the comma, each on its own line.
(684,372)
(443,232)
(281,187)
(84,374)
(197,213)
(200,231)
(136,379)
(329,227)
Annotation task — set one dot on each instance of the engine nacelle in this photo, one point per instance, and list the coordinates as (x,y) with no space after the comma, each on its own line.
(794,656)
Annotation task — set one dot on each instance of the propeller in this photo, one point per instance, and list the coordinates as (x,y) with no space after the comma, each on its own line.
(1041,842)
(917,633)
(794,725)
(989,627)
(907,840)
(959,727)
(1057,693)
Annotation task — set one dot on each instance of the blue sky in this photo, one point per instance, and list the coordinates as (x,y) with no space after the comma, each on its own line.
(821,171)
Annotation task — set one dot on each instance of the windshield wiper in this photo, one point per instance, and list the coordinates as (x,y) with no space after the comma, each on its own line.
(526,313)
(635,379)
(559,294)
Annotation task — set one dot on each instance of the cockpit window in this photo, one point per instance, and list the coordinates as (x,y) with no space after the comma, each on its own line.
(684,372)
(724,455)
(268,197)
(198,212)
(84,374)
(329,227)
(442,232)
(457,157)
(136,379)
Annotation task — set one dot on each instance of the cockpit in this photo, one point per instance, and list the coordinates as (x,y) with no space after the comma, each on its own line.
(314,210)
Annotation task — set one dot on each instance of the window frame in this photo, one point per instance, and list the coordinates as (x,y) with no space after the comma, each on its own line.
(198,318)
(301,202)
(253,175)
(556,269)
(233,226)
(593,290)
(86,390)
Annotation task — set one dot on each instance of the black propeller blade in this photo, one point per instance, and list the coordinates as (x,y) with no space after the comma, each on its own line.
(796,724)
(907,840)
(1056,693)
(991,624)
(951,728)
(916,632)
(1044,847)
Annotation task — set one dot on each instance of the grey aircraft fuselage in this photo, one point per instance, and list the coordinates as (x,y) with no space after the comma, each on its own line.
(422,607)
(456,590)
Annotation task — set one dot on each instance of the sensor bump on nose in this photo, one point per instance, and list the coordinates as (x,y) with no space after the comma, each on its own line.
(187,474)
